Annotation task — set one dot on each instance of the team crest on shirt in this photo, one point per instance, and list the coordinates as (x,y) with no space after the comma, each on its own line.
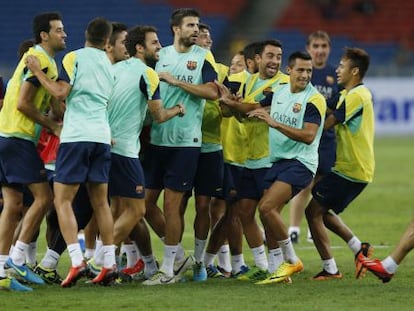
(330,80)
(191,65)
(296,107)
(139,189)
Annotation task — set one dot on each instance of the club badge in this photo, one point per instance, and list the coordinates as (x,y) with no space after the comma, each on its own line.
(296,107)
(191,65)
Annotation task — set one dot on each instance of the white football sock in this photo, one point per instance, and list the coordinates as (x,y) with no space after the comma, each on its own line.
(288,251)
(209,259)
(237,261)
(275,259)
(259,255)
(169,256)
(50,260)
(390,265)
(223,258)
(18,255)
(329,265)
(109,256)
(75,254)
(354,244)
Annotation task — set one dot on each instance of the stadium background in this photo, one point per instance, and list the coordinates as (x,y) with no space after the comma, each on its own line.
(384,28)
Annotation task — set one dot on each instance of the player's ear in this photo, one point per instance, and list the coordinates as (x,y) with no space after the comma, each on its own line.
(44,36)
(355,71)
(139,48)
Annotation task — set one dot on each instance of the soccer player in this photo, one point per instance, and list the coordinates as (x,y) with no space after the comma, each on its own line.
(385,269)
(295,123)
(187,73)
(127,112)
(354,166)
(238,63)
(23,111)
(84,154)
(250,57)
(116,52)
(256,88)
(324,79)
(234,140)
(208,182)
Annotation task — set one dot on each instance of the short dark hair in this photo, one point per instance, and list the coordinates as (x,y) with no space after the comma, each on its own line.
(250,50)
(136,35)
(298,54)
(178,15)
(262,44)
(359,59)
(99,29)
(203,26)
(117,28)
(41,23)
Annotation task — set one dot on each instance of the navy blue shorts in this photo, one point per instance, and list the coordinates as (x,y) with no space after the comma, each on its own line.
(231,183)
(171,167)
(292,172)
(20,162)
(81,162)
(327,155)
(126,177)
(210,173)
(252,183)
(335,192)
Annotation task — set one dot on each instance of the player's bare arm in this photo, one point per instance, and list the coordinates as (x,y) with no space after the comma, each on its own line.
(306,134)
(58,89)
(26,106)
(159,114)
(234,101)
(57,109)
(330,121)
(207,90)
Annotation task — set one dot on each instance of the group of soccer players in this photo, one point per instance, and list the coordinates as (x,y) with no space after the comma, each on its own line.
(243,140)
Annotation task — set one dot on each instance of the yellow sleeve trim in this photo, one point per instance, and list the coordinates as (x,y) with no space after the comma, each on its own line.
(69,62)
(320,103)
(153,80)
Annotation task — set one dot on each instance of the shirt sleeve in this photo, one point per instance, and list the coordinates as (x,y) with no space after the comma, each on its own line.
(339,112)
(267,101)
(69,67)
(353,107)
(233,86)
(312,114)
(209,72)
(150,85)
(44,64)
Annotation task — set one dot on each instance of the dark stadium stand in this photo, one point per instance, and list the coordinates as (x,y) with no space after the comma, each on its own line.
(387,34)
(228,8)
(380,32)
(16,22)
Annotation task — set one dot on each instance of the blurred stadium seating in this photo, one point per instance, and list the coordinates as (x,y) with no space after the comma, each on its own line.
(16,17)
(381,32)
(387,34)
